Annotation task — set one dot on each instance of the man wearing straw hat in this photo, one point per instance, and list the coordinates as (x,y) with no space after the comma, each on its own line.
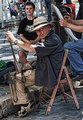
(49,53)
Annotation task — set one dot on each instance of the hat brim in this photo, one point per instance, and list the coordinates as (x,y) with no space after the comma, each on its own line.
(40,26)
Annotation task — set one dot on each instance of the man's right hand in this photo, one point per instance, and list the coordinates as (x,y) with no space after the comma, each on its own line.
(63,23)
(10,36)
(68,18)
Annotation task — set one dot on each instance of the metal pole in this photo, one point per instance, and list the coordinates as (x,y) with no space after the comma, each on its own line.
(37,8)
(2,19)
(5,7)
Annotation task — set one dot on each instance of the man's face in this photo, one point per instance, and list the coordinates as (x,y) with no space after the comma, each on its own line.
(29,10)
(43,32)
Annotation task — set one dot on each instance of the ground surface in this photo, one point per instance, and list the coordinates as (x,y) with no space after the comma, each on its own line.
(60,110)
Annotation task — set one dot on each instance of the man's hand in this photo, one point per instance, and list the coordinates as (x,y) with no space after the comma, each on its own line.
(10,36)
(68,18)
(63,23)
(32,42)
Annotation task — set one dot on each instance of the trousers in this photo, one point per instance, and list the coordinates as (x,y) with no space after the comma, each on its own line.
(48,5)
(75,49)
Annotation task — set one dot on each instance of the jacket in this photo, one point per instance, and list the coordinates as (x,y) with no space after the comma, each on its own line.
(49,60)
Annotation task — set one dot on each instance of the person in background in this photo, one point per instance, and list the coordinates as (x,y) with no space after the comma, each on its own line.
(80,12)
(48,9)
(75,48)
(25,32)
(79,17)
(49,58)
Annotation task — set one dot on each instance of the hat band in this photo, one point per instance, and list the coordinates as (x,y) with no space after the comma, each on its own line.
(40,24)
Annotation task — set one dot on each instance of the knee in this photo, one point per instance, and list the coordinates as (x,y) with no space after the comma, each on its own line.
(67,45)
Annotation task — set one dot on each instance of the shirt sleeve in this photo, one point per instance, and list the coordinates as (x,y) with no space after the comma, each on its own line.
(45,50)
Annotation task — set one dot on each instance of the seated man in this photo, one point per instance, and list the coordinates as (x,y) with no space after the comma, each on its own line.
(76,47)
(49,57)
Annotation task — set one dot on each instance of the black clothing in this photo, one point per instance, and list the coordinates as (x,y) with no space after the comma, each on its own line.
(58,29)
(79,16)
(80,12)
(80,1)
(68,2)
(49,60)
(25,28)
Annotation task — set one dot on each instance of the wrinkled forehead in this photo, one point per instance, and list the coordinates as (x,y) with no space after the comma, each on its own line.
(42,28)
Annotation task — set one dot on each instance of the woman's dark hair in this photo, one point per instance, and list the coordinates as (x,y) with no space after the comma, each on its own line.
(30,3)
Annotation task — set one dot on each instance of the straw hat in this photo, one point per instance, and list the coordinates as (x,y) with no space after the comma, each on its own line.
(40,22)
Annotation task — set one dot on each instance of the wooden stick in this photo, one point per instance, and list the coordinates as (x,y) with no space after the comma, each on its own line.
(17,66)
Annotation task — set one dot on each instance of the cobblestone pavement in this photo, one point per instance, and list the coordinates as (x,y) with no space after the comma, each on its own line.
(60,110)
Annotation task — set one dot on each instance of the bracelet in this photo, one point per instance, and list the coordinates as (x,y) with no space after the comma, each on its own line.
(15,42)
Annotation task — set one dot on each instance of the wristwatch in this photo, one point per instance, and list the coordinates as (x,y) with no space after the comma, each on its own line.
(15,42)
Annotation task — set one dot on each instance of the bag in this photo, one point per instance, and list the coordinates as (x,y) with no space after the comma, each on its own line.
(5,69)
(3,65)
